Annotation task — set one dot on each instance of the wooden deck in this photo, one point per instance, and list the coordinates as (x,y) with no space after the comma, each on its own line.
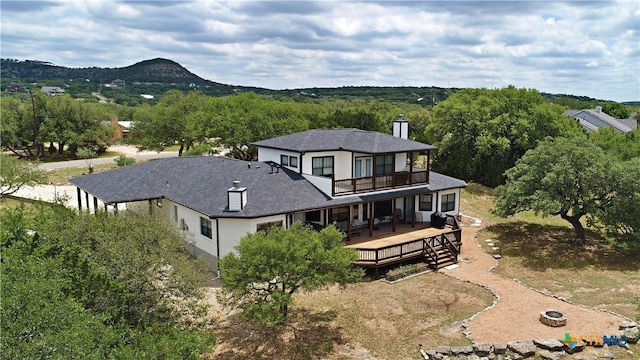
(438,247)
(385,237)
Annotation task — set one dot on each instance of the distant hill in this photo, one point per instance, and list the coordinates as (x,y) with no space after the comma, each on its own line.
(167,74)
(155,70)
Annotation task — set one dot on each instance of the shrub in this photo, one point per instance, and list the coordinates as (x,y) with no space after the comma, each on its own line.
(405,270)
(124,161)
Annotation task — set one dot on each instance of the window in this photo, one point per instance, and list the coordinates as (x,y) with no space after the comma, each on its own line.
(426,202)
(363,166)
(339,214)
(175,213)
(293,161)
(448,202)
(284,160)
(269,225)
(384,164)
(355,211)
(322,166)
(312,216)
(205,228)
(382,208)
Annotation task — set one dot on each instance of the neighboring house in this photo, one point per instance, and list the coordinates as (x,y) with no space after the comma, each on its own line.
(342,176)
(592,120)
(121,129)
(52,90)
(118,83)
(15,88)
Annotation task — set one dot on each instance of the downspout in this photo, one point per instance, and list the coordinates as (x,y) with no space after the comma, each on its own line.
(301,155)
(217,248)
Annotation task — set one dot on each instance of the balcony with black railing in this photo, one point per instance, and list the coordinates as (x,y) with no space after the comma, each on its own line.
(380,182)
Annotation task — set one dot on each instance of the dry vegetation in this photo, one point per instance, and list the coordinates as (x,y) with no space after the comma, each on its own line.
(377,320)
(365,320)
(539,252)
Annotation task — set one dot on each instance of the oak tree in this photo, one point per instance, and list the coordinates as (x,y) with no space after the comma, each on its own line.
(15,174)
(271,266)
(561,176)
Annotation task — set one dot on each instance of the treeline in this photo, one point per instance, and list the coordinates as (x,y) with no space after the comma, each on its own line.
(73,287)
(203,124)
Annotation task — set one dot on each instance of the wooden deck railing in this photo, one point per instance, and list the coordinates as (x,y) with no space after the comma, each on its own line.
(451,240)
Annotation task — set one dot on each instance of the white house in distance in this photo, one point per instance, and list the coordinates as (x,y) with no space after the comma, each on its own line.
(354,178)
(592,120)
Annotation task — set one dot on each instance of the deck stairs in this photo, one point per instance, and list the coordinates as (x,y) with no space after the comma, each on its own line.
(443,255)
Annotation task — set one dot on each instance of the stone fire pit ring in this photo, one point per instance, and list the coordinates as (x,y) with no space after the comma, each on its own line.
(553,318)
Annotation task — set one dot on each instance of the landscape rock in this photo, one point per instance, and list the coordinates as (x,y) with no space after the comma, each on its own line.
(482,349)
(632,334)
(457,350)
(548,355)
(524,348)
(500,348)
(549,344)
(606,355)
(572,350)
(627,324)
(445,350)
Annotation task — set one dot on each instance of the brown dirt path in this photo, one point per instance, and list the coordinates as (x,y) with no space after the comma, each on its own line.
(516,314)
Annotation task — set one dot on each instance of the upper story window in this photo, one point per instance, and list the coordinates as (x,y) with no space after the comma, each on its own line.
(322,165)
(448,202)
(384,164)
(362,166)
(205,227)
(284,160)
(293,161)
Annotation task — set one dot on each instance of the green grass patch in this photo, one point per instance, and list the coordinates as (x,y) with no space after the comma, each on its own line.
(62,176)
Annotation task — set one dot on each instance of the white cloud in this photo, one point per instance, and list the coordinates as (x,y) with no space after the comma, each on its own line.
(572,47)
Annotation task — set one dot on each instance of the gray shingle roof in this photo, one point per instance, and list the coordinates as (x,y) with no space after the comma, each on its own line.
(201,183)
(622,126)
(343,139)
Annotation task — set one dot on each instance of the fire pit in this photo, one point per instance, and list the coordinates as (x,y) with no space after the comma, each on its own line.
(553,318)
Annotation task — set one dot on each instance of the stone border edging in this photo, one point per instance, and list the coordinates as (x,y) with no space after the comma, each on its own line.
(547,349)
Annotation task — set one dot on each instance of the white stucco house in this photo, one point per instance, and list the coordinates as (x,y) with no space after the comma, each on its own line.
(594,119)
(347,176)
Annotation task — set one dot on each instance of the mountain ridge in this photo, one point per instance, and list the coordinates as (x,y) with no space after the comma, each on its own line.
(169,72)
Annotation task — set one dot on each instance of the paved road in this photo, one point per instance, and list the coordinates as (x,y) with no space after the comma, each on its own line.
(126,150)
(68,193)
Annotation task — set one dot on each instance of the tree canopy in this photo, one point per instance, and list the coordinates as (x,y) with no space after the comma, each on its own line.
(14,174)
(271,266)
(29,121)
(481,133)
(96,287)
(573,178)
(616,109)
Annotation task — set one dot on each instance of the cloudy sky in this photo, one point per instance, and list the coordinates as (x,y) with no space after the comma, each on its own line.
(585,48)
